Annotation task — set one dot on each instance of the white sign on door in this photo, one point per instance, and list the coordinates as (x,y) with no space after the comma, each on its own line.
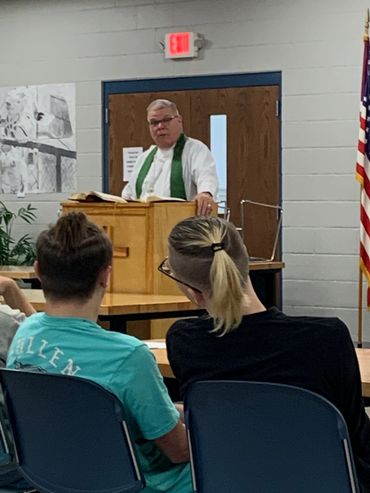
(129,157)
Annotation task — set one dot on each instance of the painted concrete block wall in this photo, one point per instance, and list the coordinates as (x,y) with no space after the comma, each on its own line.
(318,47)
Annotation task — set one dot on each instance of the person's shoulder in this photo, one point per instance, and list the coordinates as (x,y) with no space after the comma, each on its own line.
(123,339)
(142,156)
(127,344)
(33,322)
(276,314)
(325,326)
(333,323)
(190,326)
(192,323)
(195,143)
(36,317)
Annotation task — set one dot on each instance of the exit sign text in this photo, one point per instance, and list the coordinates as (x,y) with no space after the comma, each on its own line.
(180,45)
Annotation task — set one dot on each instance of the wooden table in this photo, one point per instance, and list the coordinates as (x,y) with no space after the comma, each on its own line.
(24,272)
(119,308)
(363,356)
(265,277)
(28,272)
(18,271)
(162,362)
(265,265)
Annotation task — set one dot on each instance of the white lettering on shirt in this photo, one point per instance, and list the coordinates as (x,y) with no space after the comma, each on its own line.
(55,356)
(69,370)
(29,348)
(42,347)
(20,346)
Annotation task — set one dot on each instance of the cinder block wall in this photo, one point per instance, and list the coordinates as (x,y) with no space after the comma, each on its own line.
(318,47)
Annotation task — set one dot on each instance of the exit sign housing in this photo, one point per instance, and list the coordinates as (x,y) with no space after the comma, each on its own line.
(181,45)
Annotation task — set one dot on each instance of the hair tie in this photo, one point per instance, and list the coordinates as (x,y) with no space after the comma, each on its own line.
(216,247)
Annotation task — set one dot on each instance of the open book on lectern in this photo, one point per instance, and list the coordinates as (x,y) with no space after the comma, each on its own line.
(94,196)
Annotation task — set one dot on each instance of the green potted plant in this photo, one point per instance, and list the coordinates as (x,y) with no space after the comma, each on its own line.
(12,251)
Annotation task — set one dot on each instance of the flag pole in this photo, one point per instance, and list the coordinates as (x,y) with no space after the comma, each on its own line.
(364,64)
(360,273)
(359,312)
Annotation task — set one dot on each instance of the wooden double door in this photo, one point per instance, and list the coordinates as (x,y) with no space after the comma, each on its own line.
(253,146)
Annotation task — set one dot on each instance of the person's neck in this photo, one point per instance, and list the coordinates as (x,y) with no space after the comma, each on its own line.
(252,303)
(167,148)
(76,308)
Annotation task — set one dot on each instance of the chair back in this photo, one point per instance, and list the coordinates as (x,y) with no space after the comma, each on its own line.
(248,437)
(70,434)
(10,477)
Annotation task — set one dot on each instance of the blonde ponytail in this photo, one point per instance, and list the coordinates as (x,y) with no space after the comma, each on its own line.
(227,293)
(208,253)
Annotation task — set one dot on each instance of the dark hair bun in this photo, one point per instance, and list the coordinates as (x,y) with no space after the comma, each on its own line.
(70,230)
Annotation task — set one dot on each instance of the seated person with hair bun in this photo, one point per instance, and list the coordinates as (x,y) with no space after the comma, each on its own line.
(73,264)
(241,340)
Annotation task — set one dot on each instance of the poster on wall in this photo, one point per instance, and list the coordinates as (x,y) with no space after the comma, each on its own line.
(129,158)
(38,139)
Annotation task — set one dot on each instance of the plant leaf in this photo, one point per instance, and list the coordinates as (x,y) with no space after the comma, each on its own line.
(21,251)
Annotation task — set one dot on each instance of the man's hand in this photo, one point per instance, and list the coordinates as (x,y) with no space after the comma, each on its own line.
(205,203)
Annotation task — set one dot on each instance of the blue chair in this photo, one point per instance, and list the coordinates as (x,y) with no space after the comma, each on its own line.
(70,434)
(251,437)
(10,477)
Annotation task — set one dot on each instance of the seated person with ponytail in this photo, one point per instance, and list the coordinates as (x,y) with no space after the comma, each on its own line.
(242,340)
(74,263)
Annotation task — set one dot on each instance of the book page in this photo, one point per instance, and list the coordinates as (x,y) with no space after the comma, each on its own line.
(158,198)
(155,344)
(77,196)
(93,196)
(109,197)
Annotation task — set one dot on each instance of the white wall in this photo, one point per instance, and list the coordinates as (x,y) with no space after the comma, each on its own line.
(318,47)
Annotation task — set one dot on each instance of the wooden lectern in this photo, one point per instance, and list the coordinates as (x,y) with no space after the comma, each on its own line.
(139,233)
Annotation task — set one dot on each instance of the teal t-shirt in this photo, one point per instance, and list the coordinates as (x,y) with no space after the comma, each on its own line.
(124,366)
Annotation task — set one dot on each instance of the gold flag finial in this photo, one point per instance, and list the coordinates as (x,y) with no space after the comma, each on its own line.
(366,34)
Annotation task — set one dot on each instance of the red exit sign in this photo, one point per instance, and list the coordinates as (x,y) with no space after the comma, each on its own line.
(180,45)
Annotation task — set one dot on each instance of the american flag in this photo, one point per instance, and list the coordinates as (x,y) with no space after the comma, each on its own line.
(363,168)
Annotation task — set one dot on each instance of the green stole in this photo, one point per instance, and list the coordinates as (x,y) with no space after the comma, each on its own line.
(177,187)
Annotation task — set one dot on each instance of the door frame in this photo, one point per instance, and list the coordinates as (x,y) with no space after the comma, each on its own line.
(217,81)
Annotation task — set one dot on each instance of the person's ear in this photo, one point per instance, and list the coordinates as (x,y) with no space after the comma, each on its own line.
(194,296)
(105,276)
(199,298)
(36,269)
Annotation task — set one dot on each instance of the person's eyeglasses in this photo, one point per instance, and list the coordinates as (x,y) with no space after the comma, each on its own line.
(165,121)
(165,269)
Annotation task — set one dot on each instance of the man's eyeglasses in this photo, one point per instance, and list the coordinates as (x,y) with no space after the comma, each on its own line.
(165,121)
(165,269)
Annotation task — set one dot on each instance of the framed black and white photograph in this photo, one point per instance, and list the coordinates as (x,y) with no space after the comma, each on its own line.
(38,139)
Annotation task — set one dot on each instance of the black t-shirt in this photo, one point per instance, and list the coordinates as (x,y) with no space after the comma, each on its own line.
(309,352)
